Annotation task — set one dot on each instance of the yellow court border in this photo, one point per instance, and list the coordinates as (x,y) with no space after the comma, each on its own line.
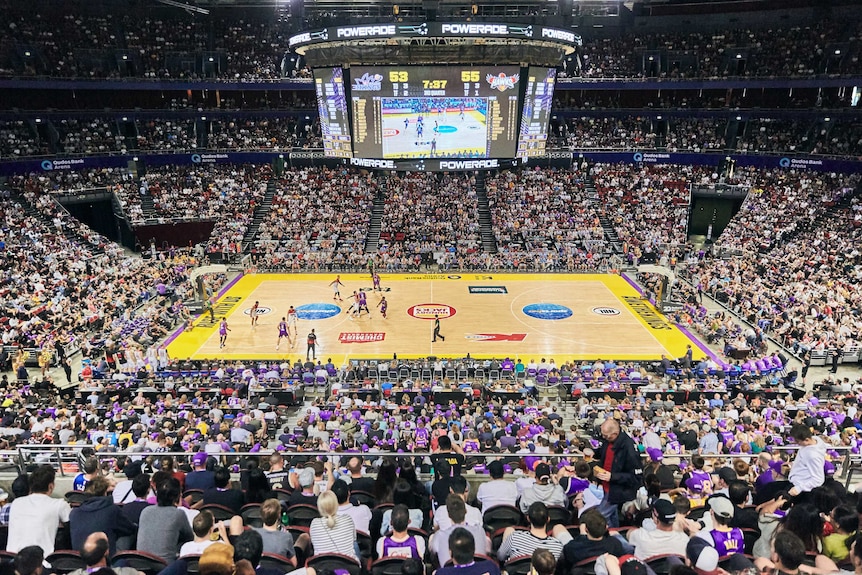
(638,331)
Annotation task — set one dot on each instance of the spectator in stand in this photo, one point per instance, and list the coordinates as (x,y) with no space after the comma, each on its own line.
(619,469)
(275,539)
(222,493)
(360,514)
(439,543)
(519,542)
(164,528)
(463,549)
(34,519)
(99,513)
(401,543)
(544,490)
(498,491)
(663,539)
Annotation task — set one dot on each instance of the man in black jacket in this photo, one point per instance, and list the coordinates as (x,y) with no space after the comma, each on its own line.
(619,470)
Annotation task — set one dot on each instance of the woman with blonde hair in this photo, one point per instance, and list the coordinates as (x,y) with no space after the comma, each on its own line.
(331,532)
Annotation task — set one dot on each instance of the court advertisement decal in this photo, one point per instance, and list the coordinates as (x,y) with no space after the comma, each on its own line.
(317,311)
(496,336)
(361,337)
(430,310)
(488,289)
(646,312)
(261,310)
(549,311)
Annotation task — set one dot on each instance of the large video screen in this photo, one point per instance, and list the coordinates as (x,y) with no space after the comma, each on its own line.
(538,97)
(332,106)
(434,111)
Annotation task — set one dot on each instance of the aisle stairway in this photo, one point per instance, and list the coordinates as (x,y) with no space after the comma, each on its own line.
(260,212)
(614,243)
(372,238)
(483,208)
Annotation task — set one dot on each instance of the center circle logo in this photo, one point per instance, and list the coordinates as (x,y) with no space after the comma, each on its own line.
(429,310)
(317,311)
(261,310)
(551,311)
(606,311)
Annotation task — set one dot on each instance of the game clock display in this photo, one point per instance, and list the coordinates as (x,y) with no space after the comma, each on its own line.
(434,111)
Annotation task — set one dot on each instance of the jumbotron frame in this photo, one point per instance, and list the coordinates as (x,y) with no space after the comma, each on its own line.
(435,43)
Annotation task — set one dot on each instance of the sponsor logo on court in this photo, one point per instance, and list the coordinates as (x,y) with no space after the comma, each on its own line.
(317,311)
(261,310)
(488,289)
(429,310)
(361,337)
(606,311)
(646,312)
(502,81)
(496,336)
(388,132)
(549,311)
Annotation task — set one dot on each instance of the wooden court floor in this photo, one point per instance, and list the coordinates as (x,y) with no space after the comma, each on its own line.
(525,316)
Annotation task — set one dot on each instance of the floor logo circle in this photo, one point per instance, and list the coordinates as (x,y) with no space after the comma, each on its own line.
(550,311)
(429,310)
(261,310)
(444,129)
(606,311)
(317,311)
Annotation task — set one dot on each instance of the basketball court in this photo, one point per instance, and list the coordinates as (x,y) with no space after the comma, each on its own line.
(530,316)
(443,135)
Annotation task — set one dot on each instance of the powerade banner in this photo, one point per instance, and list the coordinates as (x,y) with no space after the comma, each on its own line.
(308,158)
(434,30)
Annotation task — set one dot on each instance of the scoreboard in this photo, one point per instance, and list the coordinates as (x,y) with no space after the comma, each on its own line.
(332,107)
(435,111)
(538,98)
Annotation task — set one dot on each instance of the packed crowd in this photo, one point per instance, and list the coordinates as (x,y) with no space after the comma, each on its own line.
(680,474)
(66,286)
(543,220)
(152,44)
(318,216)
(647,205)
(792,51)
(430,215)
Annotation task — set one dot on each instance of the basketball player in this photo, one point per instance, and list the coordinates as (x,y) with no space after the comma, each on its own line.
(354,305)
(336,288)
(363,304)
(375,280)
(222,333)
(253,313)
(282,332)
(383,305)
(292,318)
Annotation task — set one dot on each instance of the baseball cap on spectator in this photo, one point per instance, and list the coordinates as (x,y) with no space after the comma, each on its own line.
(631,565)
(727,474)
(543,472)
(199,458)
(776,465)
(722,507)
(703,556)
(665,510)
(654,453)
(306,477)
(133,469)
(829,468)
